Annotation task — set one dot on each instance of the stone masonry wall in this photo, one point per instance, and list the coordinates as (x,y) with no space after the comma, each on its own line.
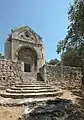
(42,72)
(62,76)
(10,72)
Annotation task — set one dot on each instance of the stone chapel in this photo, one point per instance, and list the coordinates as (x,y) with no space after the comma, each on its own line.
(25,45)
(26,80)
(24,73)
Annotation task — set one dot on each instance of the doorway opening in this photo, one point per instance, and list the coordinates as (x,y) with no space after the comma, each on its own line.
(27,67)
(29,57)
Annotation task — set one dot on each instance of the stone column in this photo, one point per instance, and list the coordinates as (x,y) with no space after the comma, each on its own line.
(22,66)
(33,65)
(37,65)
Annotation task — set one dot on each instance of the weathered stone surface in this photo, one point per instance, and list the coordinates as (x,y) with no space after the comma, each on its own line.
(10,71)
(62,76)
(36,90)
(21,83)
(53,110)
(25,45)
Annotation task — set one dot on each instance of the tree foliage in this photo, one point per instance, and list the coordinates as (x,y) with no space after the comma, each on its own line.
(53,62)
(60,46)
(73,44)
(75,36)
(71,58)
(1,56)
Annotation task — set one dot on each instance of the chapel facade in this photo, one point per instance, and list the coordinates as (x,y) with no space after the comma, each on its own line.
(25,45)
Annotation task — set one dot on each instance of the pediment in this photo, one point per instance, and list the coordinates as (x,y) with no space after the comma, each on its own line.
(26,34)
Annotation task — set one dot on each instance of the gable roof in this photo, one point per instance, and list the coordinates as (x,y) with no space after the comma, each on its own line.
(25,27)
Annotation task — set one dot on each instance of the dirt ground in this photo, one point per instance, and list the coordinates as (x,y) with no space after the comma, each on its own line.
(10,113)
(13,113)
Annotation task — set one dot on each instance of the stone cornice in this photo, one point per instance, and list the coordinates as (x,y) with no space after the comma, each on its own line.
(22,40)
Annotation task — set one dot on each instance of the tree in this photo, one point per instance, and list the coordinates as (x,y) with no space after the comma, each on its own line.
(71,58)
(75,36)
(53,62)
(1,56)
(60,46)
(73,44)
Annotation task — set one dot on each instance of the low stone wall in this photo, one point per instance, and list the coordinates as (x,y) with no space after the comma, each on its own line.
(10,72)
(62,76)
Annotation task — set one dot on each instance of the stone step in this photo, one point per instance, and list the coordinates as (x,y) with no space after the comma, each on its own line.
(30,95)
(31,85)
(32,82)
(30,79)
(23,101)
(30,88)
(30,91)
(29,76)
(36,81)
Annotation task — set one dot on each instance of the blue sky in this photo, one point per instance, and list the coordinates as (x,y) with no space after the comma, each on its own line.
(47,17)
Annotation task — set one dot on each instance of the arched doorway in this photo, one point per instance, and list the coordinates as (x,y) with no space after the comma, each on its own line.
(29,58)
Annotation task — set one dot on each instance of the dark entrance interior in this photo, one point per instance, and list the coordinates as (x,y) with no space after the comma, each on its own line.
(27,67)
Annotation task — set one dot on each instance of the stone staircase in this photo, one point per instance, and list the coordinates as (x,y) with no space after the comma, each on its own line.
(30,88)
(27,77)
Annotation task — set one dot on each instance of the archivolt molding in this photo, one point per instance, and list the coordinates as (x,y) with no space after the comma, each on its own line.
(26,46)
